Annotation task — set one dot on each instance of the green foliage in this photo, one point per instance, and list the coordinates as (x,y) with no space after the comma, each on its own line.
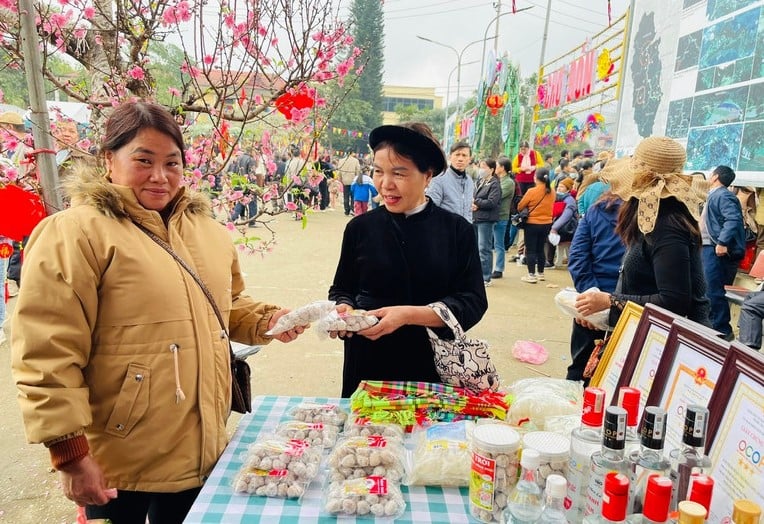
(368,29)
(343,111)
(434,118)
(166,61)
(13,80)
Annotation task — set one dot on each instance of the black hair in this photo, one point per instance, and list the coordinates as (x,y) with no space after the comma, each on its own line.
(525,144)
(542,175)
(575,154)
(491,163)
(564,162)
(461,144)
(563,153)
(586,164)
(505,162)
(726,175)
(129,118)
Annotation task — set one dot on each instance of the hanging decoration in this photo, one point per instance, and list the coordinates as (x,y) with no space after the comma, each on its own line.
(609,14)
(20,212)
(299,100)
(570,130)
(349,132)
(605,65)
(494,103)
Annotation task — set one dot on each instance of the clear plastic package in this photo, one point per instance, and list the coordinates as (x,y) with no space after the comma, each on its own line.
(317,433)
(302,316)
(535,399)
(442,455)
(359,457)
(365,427)
(566,301)
(323,413)
(278,467)
(554,454)
(373,496)
(350,320)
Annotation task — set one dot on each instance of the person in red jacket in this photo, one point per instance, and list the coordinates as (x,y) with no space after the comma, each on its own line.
(524,166)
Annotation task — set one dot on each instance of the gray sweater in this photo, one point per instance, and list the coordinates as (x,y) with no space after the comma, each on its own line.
(452,192)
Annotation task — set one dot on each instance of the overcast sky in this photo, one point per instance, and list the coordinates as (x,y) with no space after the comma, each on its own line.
(413,62)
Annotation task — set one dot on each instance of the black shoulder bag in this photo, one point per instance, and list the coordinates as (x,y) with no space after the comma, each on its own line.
(241,388)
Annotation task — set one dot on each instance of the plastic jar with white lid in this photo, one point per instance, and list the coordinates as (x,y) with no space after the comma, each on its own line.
(554,451)
(494,469)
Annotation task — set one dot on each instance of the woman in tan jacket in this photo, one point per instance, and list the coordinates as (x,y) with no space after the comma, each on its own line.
(539,200)
(120,363)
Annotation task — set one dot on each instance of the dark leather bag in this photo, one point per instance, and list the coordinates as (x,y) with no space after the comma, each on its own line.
(241,387)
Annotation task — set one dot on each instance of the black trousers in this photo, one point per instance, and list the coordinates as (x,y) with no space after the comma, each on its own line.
(581,347)
(323,190)
(348,199)
(132,507)
(14,263)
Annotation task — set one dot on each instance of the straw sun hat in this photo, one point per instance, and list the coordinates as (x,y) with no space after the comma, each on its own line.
(654,172)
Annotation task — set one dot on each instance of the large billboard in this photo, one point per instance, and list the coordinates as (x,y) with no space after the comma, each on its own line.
(695,72)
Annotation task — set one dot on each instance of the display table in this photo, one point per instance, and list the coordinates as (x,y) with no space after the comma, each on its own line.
(217,501)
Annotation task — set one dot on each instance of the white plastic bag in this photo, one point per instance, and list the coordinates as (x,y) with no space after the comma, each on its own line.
(536,399)
(302,316)
(554,238)
(566,301)
(350,320)
(442,456)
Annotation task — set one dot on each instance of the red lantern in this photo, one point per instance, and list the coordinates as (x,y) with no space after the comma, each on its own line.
(494,103)
(20,212)
(6,250)
(294,100)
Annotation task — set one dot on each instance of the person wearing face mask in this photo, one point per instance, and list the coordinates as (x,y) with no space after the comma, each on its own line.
(563,211)
(123,369)
(400,257)
(485,213)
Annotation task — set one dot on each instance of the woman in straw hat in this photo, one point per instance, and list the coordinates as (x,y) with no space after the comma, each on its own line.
(658,223)
(399,258)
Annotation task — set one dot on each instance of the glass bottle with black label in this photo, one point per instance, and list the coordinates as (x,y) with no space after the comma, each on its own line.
(691,457)
(649,460)
(609,458)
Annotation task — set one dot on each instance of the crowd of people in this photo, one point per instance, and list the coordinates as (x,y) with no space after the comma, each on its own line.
(113,370)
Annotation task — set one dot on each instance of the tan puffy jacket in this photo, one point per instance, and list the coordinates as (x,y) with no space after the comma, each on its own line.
(102,308)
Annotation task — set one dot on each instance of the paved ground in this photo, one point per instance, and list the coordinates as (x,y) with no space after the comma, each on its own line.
(299,270)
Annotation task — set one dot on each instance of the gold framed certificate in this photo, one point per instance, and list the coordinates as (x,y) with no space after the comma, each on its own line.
(617,349)
(688,372)
(735,441)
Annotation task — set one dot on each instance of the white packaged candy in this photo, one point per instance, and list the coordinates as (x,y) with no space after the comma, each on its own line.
(317,433)
(350,320)
(323,413)
(442,456)
(364,427)
(372,496)
(278,467)
(302,316)
(359,457)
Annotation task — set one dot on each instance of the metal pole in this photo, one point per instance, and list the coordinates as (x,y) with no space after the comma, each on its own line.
(448,93)
(485,38)
(531,101)
(496,33)
(46,162)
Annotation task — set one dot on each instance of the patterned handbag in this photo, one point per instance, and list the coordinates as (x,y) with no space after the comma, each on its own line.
(462,362)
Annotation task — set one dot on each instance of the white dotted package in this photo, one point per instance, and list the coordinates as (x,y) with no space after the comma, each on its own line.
(361,457)
(319,413)
(494,469)
(317,433)
(364,427)
(442,456)
(554,453)
(372,496)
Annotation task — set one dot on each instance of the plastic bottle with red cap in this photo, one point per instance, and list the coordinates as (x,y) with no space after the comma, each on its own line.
(701,490)
(656,502)
(615,499)
(629,399)
(691,457)
(584,442)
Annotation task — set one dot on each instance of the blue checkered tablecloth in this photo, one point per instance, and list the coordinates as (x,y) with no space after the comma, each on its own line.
(218,503)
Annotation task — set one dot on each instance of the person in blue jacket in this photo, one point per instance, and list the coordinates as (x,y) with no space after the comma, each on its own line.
(723,234)
(363,191)
(594,260)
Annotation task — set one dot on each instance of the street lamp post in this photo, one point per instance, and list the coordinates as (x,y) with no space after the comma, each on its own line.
(448,92)
(485,37)
(459,55)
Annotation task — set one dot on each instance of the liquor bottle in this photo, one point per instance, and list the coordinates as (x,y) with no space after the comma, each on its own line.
(649,460)
(615,498)
(628,399)
(691,457)
(609,458)
(691,513)
(656,502)
(701,490)
(554,510)
(525,502)
(584,441)
(745,512)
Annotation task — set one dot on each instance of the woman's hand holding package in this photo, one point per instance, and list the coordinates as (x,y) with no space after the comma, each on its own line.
(290,334)
(342,308)
(592,302)
(83,483)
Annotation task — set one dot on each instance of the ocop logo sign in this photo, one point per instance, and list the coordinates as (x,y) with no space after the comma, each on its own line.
(753,455)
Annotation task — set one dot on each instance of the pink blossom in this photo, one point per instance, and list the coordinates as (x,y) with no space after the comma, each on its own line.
(267,197)
(240,247)
(230,20)
(136,73)
(174,92)
(80,33)
(291,206)
(274,41)
(197,173)
(211,179)
(84,144)
(88,12)
(10,5)
(176,14)
(208,59)
(230,227)
(11,174)
(261,31)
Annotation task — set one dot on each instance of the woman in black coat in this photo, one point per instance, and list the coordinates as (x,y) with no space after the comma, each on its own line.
(399,258)
(485,214)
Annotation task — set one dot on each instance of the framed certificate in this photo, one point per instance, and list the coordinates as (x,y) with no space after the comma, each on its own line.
(687,374)
(609,368)
(646,351)
(735,441)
